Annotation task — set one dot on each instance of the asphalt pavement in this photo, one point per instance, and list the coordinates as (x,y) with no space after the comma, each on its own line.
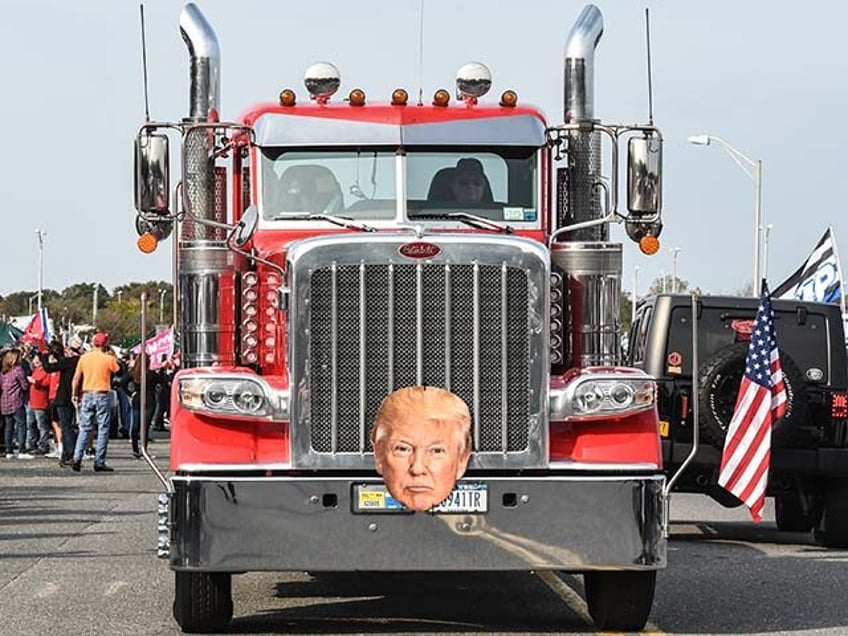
(78,556)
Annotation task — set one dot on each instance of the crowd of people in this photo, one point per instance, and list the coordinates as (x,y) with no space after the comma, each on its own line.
(65,401)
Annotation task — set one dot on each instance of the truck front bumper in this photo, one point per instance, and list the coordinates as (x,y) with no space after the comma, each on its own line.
(576,523)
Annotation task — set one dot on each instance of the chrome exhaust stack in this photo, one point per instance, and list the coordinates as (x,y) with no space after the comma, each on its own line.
(583,195)
(205,73)
(204,262)
(580,65)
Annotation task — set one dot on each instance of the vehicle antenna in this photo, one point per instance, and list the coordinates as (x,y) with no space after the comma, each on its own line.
(144,64)
(650,83)
(421,53)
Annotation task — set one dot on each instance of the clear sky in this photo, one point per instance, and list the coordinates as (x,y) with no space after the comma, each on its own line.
(767,76)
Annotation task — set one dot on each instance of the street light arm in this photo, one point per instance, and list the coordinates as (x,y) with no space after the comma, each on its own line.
(749,166)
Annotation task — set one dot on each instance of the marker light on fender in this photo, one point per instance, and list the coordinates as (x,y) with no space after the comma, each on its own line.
(147,243)
(649,245)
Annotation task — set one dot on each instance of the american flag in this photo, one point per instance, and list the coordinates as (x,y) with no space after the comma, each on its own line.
(761,402)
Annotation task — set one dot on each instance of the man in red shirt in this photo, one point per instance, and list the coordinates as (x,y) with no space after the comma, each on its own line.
(39,389)
(91,389)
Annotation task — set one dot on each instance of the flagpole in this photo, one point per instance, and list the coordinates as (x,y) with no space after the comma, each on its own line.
(838,271)
(39,235)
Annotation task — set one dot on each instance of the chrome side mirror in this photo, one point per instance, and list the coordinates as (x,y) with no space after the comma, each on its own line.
(644,176)
(152,180)
(246,226)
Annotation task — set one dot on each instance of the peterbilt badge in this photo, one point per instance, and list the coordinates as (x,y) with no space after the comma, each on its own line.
(419,249)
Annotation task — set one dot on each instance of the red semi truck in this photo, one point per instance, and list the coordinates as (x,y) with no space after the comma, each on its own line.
(325,255)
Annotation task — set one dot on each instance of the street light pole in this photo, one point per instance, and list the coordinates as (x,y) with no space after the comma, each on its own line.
(162,293)
(674,252)
(39,236)
(754,170)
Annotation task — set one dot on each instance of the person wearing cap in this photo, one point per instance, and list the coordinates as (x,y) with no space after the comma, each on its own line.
(469,183)
(91,388)
(65,362)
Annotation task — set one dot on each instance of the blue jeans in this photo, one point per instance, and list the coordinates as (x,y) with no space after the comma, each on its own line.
(69,430)
(13,422)
(95,411)
(38,429)
(125,409)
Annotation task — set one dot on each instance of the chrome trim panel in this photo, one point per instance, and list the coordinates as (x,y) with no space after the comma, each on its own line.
(576,523)
(593,276)
(475,309)
(294,129)
(405,327)
(504,359)
(205,275)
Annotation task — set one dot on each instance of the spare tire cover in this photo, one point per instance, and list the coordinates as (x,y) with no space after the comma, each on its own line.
(718,387)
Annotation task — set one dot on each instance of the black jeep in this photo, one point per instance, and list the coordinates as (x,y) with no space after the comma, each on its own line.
(809,458)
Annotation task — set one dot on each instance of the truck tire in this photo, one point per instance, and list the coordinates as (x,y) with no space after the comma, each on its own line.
(203,601)
(832,531)
(790,515)
(718,388)
(620,601)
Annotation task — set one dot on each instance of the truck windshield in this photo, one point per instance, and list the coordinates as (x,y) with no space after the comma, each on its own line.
(498,184)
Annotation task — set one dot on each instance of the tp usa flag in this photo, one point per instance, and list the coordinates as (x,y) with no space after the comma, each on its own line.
(761,402)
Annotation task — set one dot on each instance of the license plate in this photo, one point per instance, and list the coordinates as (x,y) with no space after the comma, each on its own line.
(466,497)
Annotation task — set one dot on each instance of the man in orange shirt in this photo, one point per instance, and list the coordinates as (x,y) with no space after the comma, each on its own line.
(92,383)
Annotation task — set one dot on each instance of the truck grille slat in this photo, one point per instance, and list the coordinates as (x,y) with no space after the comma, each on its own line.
(377,327)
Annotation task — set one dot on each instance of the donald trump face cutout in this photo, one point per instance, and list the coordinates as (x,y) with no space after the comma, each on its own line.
(422,443)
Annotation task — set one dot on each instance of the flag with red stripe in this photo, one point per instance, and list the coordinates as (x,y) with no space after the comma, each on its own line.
(760,403)
(38,329)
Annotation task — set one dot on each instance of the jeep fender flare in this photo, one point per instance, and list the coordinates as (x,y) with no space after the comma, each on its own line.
(718,387)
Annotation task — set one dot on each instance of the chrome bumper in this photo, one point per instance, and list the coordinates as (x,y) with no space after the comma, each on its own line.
(280,523)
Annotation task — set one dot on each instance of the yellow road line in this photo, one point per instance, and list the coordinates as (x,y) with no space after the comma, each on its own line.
(576,603)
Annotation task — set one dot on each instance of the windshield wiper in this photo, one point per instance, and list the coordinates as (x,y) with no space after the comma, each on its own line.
(341,221)
(479,222)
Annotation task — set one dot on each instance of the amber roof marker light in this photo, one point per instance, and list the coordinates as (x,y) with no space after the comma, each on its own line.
(287,97)
(509,99)
(441,97)
(399,97)
(356,97)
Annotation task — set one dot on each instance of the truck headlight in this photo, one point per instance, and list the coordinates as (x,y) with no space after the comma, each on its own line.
(232,395)
(599,395)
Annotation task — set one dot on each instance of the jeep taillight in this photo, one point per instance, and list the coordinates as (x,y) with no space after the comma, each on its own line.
(839,406)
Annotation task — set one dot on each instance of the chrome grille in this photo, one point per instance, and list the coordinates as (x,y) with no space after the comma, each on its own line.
(377,327)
